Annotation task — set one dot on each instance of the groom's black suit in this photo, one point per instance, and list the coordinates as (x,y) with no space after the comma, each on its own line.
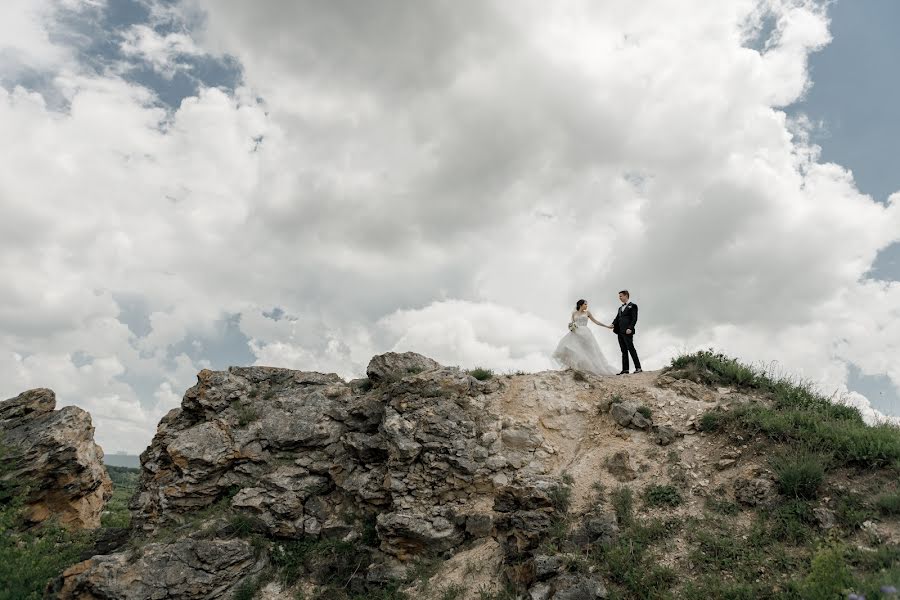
(626,319)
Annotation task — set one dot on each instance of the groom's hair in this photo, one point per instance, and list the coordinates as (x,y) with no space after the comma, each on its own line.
(626,293)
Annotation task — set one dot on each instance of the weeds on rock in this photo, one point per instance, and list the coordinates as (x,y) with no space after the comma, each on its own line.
(481,374)
(245,414)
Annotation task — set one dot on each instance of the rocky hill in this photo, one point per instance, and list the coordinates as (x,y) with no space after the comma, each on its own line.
(708,480)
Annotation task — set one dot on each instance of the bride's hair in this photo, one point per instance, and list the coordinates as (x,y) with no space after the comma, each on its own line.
(579,303)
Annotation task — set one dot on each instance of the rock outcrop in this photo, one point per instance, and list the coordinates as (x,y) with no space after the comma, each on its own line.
(54,454)
(417,460)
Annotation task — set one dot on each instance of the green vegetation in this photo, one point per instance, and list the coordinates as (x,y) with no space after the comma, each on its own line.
(662,495)
(481,374)
(623,504)
(337,567)
(799,474)
(645,411)
(246,414)
(125,480)
(796,415)
(889,504)
(30,558)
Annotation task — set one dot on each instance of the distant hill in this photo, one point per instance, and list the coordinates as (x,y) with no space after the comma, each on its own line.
(122,460)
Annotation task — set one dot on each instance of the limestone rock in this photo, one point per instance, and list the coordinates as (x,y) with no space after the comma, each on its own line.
(622,412)
(755,491)
(572,586)
(54,451)
(546,567)
(406,535)
(627,414)
(664,435)
(393,365)
(189,569)
(825,518)
(619,466)
(688,388)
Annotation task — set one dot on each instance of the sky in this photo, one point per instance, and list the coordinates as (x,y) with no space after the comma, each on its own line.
(192,184)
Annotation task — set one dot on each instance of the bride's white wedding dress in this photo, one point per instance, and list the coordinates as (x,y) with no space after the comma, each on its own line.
(579,350)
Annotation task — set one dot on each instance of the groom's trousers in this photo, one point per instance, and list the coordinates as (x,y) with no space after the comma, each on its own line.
(626,343)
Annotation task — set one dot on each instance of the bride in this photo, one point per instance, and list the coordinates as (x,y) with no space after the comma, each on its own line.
(578,349)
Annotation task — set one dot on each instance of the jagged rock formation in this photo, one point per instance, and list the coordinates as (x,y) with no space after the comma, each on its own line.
(415,460)
(53,451)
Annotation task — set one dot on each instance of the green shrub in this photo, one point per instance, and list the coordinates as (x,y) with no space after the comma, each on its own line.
(578,376)
(829,576)
(481,374)
(645,411)
(888,504)
(799,475)
(712,420)
(622,500)
(661,495)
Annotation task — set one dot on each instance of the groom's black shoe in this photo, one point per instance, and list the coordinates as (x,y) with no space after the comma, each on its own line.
(622,373)
(638,370)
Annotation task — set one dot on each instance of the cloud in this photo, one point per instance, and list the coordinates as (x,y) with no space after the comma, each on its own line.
(441,177)
(162,52)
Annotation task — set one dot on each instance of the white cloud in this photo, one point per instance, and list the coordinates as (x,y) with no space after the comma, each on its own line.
(442,177)
(162,52)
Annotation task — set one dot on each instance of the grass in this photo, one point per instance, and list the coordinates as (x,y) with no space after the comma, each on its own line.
(799,475)
(888,504)
(622,500)
(481,374)
(628,563)
(645,411)
(796,414)
(661,495)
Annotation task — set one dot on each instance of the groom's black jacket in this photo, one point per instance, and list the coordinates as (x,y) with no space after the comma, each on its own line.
(626,319)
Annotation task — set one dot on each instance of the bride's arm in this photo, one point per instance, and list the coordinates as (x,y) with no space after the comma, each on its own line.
(591,317)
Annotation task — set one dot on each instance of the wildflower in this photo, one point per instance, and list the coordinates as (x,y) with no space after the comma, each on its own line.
(888,589)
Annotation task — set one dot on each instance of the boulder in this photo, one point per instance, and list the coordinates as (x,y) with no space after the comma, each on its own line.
(664,435)
(755,491)
(571,586)
(392,366)
(189,569)
(619,466)
(54,453)
(627,414)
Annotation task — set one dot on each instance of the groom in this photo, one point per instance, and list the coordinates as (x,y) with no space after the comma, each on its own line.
(623,326)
